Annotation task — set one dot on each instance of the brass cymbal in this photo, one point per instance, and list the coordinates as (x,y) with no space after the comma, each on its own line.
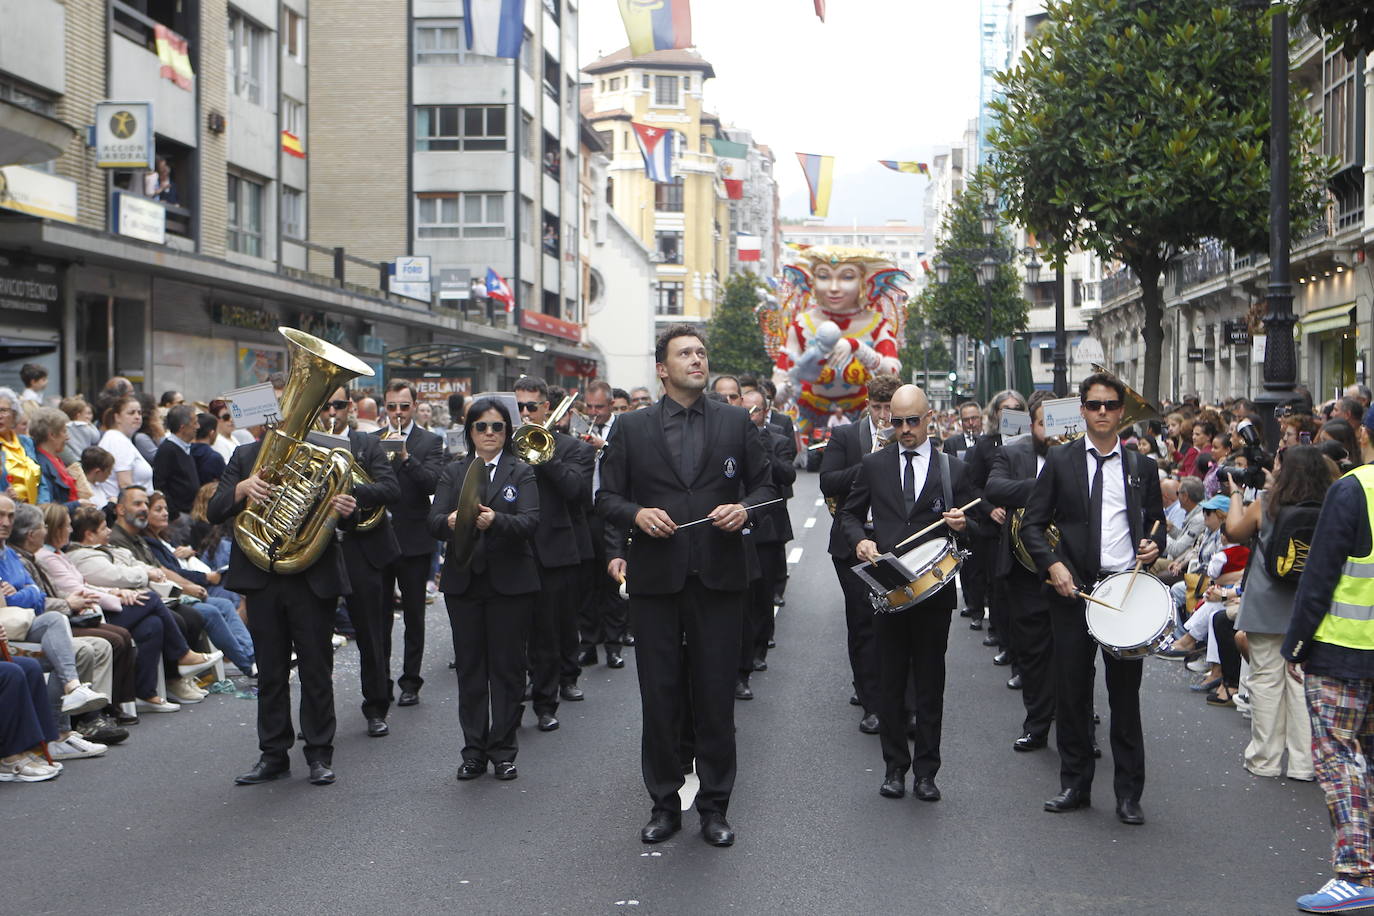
(464,539)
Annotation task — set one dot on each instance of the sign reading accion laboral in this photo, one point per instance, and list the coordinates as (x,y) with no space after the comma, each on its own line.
(124,135)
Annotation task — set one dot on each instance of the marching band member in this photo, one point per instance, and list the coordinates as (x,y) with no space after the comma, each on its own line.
(1103,508)
(490,600)
(979,460)
(581,512)
(907,489)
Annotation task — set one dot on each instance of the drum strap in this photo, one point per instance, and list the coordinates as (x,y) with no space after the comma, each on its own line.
(945,482)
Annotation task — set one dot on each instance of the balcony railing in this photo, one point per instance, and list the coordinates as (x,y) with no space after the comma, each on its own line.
(1212,259)
(1119,284)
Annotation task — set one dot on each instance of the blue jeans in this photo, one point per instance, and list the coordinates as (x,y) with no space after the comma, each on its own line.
(227,631)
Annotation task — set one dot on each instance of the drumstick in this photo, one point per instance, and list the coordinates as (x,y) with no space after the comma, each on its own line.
(1154,529)
(710,519)
(1086,597)
(933,525)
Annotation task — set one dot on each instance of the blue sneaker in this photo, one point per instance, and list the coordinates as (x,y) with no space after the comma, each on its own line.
(1337,896)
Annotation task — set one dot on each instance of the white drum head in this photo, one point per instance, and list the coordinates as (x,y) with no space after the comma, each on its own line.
(1143,615)
(925,554)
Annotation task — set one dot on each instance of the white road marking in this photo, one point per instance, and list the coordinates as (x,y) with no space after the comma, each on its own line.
(795,556)
(810,522)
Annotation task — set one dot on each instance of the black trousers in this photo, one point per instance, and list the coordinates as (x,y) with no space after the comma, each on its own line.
(369,610)
(1031,639)
(191,624)
(412,574)
(974,576)
(709,622)
(995,596)
(1074,651)
(773,561)
(911,647)
(1224,631)
(604,614)
(863,646)
(757,619)
(489,635)
(553,628)
(283,617)
(157,637)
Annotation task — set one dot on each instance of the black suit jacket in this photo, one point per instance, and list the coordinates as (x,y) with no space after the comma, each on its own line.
(505,550)
(175,474)
(1009,485)
(565,485)
(878,486)
(581,510)
(637,471)
(839,469)
(956,445)
(378,547)
(1061,496)
(788,430)
(418,476)
(774,524)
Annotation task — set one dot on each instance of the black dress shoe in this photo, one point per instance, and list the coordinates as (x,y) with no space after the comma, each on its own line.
(587,658)
(965,612)
(571,692)
(506,770)
(760,665)
(1128,812)
(471,769)
(263,772)
(1014,682)
(321,774)
(629,641)
(377,727)
(894,786)
(408,698)
(1002,659)
(715,829)
(661,826)
(989,640)
(925,789)
(1097,751)
(1029,742)
(869,724)
(854,700)
(547,722)
(772,644)
(742,691)
(976,623)
(614,659)
(1068,800)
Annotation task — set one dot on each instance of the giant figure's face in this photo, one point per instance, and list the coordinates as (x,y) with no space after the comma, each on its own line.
(839,286)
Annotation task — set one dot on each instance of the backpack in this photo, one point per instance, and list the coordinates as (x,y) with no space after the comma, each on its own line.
(1285,552)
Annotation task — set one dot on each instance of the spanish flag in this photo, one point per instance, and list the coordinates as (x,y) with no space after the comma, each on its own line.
(171,51)
(820,174)
(912,168)
(657,25)
(291,145)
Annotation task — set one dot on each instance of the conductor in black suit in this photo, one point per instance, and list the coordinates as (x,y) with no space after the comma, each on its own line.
(418,464)
(683,459)
(906,489)
(1104,508)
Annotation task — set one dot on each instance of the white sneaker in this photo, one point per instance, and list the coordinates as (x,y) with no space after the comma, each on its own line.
(75,747)
(184,690)
(164,706)
(210,659)
(26,770)
(83,699)
(337,641)
(43,762)
(1199,665)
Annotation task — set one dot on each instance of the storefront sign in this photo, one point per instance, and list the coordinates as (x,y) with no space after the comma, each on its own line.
(244,316)
(547,324)
(409,277)
(436,388)
(1237,333)
(1062,417)
(255,405)
(124,135)
(578,368)
(28,290)
(37,193)
(138,218)
(455,283)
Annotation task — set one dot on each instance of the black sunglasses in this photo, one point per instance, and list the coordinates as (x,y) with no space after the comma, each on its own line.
(530,406)
(337,405)
(395,406)
(496,426)
(913,422)
(225,416)
(1109,406)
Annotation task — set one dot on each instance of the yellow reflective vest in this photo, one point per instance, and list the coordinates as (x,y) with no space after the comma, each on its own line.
(1350,620)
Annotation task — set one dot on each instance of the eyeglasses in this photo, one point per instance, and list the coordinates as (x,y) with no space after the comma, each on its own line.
(528,406)
(225,416)
(337,405)
(395,406)
(1109,406)
(732,397)
(913,422)
(495,426)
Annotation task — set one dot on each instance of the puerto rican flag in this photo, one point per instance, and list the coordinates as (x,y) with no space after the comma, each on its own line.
(498,290)
(656,145)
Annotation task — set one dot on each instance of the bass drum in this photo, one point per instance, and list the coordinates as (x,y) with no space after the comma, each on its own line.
(1144,620)
(1018,549)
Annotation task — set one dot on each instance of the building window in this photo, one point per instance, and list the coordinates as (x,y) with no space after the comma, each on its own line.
(439,41)
(646,80)
(550,237)
(607,138)
(552,77)
(247,57)
(553,167)
(669,299)
(669,245)
(614,84)
(293,36)
(293,213)
(668,196)
(293,117)
(244,220)
(527,136)
(526,220)
(440,128)
(666,91)
(527,53)
(451,215)
(1046,356)
(552,7)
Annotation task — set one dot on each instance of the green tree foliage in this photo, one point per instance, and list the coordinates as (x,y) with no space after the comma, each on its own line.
(1348,24)
(915,355)
(1138,128)
(736,342)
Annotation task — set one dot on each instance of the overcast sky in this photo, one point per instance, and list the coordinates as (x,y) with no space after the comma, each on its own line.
(879,79)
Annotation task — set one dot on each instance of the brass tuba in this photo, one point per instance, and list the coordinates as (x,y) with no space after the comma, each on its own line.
(288,532)
(533,442)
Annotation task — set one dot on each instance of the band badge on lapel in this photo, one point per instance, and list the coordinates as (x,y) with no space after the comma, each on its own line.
(730,468)
(938,507)
(509,493)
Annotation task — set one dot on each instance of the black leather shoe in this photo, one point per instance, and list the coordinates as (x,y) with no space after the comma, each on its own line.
(869,724)
(321,774)
(989,640)
(629,641)
(925,789)
(715,829)
(506,770)
(614,660)
(661,826)
(377,727)
(854,700)
(1029,742)
(1097,751)
(976,623)
(760,665)
(1002,659)
(1068,800)
(263,772)
(571,692)
(587,658)
(894,786)
(547,722)
(742,691)
(408,698)
(772,644)
(965,612)
(1128,812)
(471,769)
(1014,682)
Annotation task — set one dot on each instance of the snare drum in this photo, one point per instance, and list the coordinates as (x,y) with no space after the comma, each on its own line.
(896,583)
(1145,618)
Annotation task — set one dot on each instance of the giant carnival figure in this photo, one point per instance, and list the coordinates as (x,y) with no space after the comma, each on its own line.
(841,315)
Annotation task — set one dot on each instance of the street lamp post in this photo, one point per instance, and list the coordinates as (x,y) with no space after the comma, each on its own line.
(1061,366)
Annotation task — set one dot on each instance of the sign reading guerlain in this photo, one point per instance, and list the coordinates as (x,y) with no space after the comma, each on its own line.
(244,316)
(437,388)
(26,290)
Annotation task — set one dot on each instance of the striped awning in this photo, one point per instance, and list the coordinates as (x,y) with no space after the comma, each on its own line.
(1328,319)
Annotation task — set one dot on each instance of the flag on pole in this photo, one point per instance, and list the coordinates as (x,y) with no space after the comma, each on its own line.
(820,10)
(656,145)
(820,174)
(913,168)
(749,247)
(498,290)
(495,28)
(658,25)
(734,165)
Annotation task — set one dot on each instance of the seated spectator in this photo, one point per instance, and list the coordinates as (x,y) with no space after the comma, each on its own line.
(209,463)
(169,400)
(150,433)
(48,429)
(212,542)
(35,379)
(81,428)
(1190,498)
(18,458)
(224,442)
(97,466)
(26,722)
(174,470)
(121,418)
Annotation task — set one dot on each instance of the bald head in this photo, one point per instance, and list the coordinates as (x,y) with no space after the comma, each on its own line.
(911,408)
(909,400)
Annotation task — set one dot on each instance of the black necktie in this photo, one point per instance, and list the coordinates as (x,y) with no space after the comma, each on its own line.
(1095,510)
(689,448)
(909,483)
(491,471)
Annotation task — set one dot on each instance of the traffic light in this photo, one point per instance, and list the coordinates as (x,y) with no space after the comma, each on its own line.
(953,376)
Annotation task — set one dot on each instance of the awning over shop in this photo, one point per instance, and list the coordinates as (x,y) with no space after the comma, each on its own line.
(28,138)
(1328,319)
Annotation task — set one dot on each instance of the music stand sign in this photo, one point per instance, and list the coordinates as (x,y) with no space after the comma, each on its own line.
(255,405)
(1013,424)
(1062,417)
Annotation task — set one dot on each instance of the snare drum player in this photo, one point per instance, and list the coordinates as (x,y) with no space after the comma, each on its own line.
(1104,498)
(907,491)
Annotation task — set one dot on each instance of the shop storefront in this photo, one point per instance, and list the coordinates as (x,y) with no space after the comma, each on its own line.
(1330,342)
(30,317)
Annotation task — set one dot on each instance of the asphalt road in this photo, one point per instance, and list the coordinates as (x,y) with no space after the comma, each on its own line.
(157,826)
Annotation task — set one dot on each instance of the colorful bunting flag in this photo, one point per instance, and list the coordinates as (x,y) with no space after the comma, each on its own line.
(657,25)
(749,247)
(734,166)
(498,290)
(820,175)
(171,51)
(656,145)
(911,168)
(495,28)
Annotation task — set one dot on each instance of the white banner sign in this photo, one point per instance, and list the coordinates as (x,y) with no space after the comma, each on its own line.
(1062,417)
(124,135)
(255,405)
(37,193)
(139,218)
(1013,423)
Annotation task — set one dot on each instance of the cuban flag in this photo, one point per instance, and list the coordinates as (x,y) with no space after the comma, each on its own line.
(656,145)
(495,28)
(498,290)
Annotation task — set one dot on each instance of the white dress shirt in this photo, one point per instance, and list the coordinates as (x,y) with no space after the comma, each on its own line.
(920,466)
(1116,551)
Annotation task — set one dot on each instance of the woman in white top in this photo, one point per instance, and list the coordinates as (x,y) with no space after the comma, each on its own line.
(121,420)
(224,443)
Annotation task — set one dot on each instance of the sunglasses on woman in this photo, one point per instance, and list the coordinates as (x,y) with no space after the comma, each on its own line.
(496,426)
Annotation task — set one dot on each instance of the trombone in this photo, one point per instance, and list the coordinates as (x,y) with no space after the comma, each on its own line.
(534,442)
